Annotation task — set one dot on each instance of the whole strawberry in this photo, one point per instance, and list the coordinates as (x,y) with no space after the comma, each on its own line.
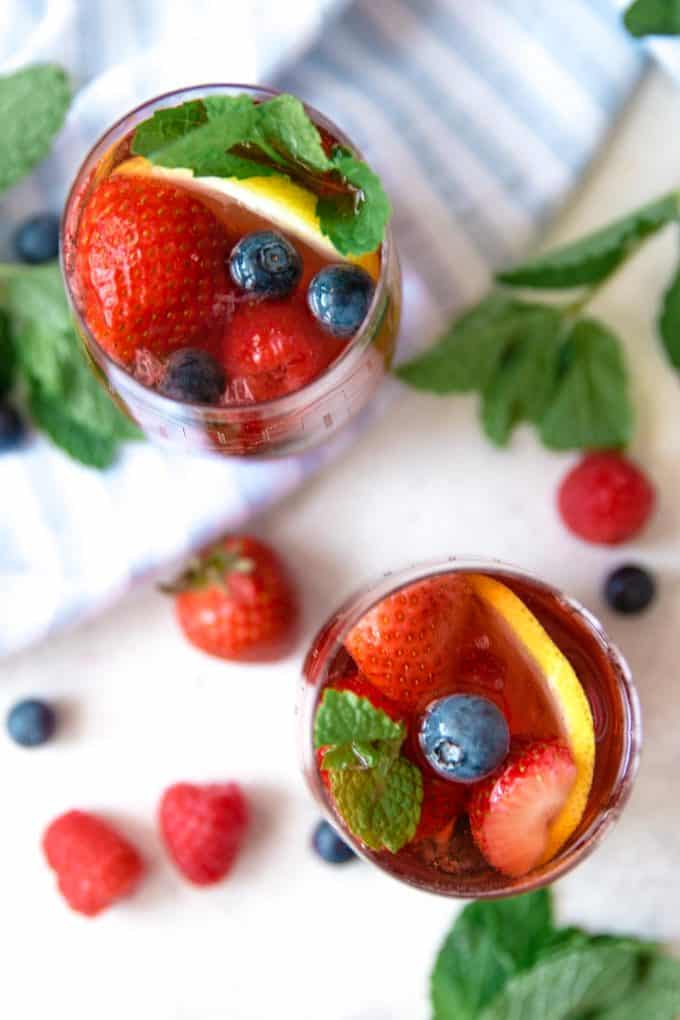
(150,268)
(236,601)
(203,829)
(95,866)
(409,642)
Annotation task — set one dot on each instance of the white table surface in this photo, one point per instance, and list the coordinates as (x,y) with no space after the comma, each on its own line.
(286,936)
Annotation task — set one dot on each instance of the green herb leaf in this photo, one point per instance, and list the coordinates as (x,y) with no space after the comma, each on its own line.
(488,943)
(7,355)
(591,408)
(166,126)
(592,258)
(669,321)
(525,379)
(657,995)
(467,355)
(283,127)
(33,104)
(381,806)
(355,228)
(653,17)
(91,448)
(567,984)
(357,755)
(344,718)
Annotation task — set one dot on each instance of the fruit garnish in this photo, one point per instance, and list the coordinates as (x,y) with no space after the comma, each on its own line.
(606,499)
(203,828)
(630,589)
(464,737)
(514,812)
(272,348)
(561,684)
(443,803)
(150,268)
(376,790)
(329,846)
(236,601)
(409,642)
(265,264)
(235,139)
(339,298)
(193,375)
(31,722)
(95,866)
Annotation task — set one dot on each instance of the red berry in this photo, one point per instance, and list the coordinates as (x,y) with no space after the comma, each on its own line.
(203,829)
(442,803)
(95,866)
(407,644)
(274,347)
(511,811)
(236,601)
(606,499)
(324,774)
(150,268)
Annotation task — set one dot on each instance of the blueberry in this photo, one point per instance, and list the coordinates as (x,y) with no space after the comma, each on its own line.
(193,376)
(329,846)
(12,428)
(31,722)
(629,589)
(37,239)
(339,298)
(265,263)
(464,737)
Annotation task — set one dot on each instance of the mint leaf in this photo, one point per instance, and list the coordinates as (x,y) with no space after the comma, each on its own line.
(167,126)
(657,994)
(488,943)
(33,104)
(669,321)
(525,380)
(51,415)
(593,258)
(653,17)
(357,227)
(283,127)
(466,357)
(570,983)
(591,408)
(7,355)
(344,718)
(381,807)
(356,755)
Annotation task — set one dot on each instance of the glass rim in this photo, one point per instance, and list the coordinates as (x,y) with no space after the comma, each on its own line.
(368,595)
(217,413)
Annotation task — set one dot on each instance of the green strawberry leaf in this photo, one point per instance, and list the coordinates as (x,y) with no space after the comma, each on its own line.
(50,414)
(669,321)
(357,226)
(593,258)
(468,354)
(591,408)
(380,806)
(657,994)
(8,358)
(525,380)
(33,104)
(653,17)
(568,984)
(345,718)
(488,943)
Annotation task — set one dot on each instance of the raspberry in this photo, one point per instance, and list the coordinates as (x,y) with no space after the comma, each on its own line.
(94,865)
(606,499)
(203,829)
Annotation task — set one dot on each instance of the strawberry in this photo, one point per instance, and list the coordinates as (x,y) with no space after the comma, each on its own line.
(274,347)
(324,774)
(150,268)
(511,811)
(407,644)
(203,829)
(95,866)
(442,803)
(236,601)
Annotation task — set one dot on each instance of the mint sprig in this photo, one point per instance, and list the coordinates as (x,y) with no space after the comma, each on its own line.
(33,104)
(233,136)
(653,17)
(507,959)
(551,364)
(377,791)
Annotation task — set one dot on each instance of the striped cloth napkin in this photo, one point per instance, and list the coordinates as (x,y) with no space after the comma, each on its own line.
(480,118)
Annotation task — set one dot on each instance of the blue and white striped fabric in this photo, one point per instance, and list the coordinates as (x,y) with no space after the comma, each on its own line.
(481,118)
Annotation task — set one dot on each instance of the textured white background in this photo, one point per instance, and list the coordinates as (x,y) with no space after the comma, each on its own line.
(287,937)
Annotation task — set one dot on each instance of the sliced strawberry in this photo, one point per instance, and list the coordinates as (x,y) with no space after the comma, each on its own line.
(443,802)
(511,812)
(408,644)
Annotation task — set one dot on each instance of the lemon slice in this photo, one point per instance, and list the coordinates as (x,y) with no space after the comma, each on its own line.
(282,202)
(566,694)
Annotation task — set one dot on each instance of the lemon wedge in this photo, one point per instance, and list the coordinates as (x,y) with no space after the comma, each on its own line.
(282,202)
(565,692)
